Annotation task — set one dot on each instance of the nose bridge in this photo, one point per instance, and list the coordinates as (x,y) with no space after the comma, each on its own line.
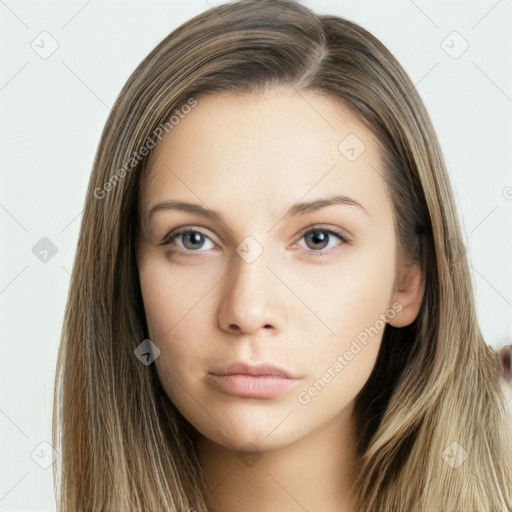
(250,275)
(250,272)
(252,298)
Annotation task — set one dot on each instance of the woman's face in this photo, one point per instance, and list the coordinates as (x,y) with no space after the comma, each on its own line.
(263,268)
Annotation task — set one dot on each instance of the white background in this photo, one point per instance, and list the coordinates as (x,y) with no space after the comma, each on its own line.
(53,111)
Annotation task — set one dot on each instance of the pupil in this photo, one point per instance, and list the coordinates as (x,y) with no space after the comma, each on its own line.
(195,237)
(318,237)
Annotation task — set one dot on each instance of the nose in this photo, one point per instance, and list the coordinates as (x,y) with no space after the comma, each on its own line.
(252,299)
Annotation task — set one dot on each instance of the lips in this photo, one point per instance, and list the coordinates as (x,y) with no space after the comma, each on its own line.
(240,368)
(253,381)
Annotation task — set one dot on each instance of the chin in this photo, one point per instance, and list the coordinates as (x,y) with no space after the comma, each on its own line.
(241,442)
(251,434)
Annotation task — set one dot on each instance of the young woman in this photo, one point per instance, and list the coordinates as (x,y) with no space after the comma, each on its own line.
(269,307)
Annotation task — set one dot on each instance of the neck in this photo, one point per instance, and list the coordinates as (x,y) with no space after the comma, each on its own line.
(316,472)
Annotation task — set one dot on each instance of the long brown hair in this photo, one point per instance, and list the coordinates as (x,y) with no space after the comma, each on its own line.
(434,434)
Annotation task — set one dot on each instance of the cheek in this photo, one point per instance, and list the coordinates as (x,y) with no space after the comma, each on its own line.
(174,302)
(170,294)
(352,305)
(351,295)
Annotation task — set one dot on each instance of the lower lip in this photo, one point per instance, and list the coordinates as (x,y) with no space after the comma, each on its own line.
(254,386)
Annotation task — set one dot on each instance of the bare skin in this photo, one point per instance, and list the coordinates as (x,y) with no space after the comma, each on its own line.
(275,300)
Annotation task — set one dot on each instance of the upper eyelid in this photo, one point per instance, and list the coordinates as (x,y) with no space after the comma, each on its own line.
(325,227)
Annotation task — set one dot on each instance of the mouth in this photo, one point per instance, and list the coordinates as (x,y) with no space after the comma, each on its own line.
(253,381)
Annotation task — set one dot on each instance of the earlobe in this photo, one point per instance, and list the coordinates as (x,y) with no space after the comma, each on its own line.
(409,294)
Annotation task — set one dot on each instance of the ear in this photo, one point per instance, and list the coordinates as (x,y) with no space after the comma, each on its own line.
(408,292)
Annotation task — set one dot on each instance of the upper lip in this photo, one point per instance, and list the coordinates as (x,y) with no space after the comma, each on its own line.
(241,368)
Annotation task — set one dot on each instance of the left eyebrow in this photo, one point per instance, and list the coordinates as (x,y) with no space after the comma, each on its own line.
(296,209)
(313,206)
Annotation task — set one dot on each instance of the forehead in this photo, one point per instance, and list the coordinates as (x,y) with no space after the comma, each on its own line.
(246,151)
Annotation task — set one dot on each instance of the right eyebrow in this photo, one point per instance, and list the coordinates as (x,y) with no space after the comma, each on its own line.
(186,207)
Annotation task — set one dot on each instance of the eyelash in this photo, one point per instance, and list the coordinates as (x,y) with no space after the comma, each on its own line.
(171,237)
